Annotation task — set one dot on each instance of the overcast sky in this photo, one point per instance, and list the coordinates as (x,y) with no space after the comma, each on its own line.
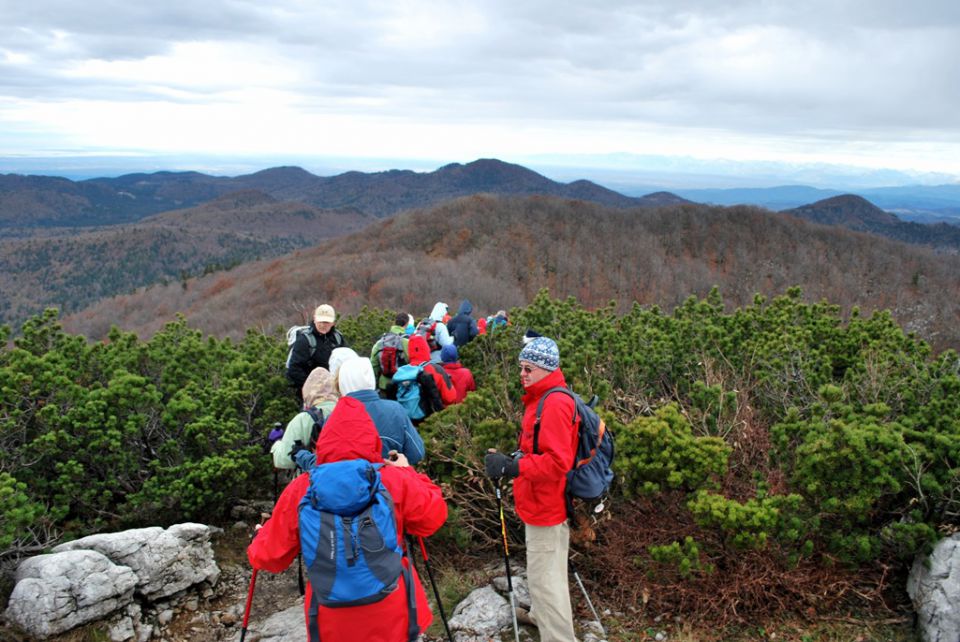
(872,83)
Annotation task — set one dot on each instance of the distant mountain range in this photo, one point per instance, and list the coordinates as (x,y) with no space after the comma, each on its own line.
(42,201)
(70,243)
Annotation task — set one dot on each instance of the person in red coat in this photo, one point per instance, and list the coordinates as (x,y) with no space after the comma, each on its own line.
(461,377)
(434,382)
(540,485)
(420,510)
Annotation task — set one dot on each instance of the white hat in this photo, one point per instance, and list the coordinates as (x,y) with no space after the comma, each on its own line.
(325,314)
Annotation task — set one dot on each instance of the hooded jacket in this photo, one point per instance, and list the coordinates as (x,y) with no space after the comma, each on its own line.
(389,417)
(463,327)
(320,394)
(435,384)
(538,491)
(420,510)
(462,379)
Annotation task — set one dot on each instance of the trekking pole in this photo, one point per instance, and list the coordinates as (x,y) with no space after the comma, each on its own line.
(506,561)
(596,617)
(246,611)
(436,591)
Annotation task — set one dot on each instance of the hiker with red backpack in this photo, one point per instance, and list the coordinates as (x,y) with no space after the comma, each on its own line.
(311,347)
(539,469)
(423,387)
(460,375)
(389,353)
(353,486)
(319,397)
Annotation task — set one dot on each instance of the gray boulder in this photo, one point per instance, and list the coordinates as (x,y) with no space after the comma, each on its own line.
(481,616)
(283,626)
(165,561)
(934,587)
(59,591)
(520,591)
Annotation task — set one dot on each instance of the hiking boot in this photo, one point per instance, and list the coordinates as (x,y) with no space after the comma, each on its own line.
(524,617)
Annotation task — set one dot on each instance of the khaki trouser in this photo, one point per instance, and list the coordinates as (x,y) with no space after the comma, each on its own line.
(547,549)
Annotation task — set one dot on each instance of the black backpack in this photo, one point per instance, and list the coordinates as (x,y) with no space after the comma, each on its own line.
(590,474)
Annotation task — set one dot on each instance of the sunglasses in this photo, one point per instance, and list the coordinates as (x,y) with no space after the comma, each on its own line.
(527,369)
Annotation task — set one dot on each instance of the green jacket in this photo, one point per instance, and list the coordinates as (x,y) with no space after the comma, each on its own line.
(299,429)
(382,381)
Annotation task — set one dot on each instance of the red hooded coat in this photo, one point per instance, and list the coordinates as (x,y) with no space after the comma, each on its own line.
(538,492)
(349,433)
(419,352)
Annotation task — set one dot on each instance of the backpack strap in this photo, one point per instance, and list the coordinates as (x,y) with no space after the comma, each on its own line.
(536,424)
(317,415)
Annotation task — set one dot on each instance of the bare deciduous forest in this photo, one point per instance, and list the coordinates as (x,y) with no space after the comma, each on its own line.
(499,251)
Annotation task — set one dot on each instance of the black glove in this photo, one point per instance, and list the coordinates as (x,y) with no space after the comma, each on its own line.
(498,465)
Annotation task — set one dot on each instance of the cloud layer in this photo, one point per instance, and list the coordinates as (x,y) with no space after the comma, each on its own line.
(862,82)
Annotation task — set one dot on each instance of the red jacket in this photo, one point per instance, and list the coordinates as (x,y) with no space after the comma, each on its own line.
(462,379)
(538,491)
(349,433)
(419,352)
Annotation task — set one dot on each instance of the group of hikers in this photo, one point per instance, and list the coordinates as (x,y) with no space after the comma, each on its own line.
(356,439)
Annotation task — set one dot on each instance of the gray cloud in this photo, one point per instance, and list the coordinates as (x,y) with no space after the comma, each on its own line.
(864,68)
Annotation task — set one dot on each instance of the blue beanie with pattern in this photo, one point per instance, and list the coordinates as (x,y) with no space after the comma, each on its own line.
(542,352)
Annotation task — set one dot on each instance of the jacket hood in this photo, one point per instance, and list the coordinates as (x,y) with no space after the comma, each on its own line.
(337,357)
(349,433)
(465,307)
(418,350)
(320,386)
(439,310)
(356,374)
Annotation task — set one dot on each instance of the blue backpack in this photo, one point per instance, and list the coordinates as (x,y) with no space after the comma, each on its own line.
(349,540)
(408,390)
(590,474)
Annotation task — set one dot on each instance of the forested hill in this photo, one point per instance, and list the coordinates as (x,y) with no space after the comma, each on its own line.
(499,251)
(41,201)
(857,213)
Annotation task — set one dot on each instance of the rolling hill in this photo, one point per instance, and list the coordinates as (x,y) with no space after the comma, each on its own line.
(499,251)
(76,268)
(857,213)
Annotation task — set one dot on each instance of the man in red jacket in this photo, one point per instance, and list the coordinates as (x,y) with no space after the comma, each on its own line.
(540,485)
(461,376)
(420,509)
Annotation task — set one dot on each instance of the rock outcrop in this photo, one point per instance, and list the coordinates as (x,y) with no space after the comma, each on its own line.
(934,587)
(110,575)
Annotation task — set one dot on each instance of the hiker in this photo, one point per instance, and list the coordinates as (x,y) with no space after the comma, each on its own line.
(435,331)
(356,381)
(319,398)
(539,487)
(481,326)
(498,321)
(337,357)
(388,354)
(433,388)
(419,510)
(461,376)
(463,327)
(312,348)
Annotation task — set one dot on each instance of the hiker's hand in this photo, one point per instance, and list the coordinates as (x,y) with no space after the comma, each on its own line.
(497,465)
(305,460)
(397,459)
(275,434)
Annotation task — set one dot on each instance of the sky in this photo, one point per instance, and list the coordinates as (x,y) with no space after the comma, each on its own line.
(868,86)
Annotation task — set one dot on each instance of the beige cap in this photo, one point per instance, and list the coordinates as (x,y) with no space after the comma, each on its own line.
(325,313)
